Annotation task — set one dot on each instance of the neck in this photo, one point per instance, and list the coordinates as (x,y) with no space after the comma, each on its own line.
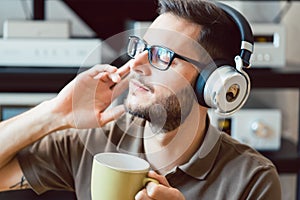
(165,151)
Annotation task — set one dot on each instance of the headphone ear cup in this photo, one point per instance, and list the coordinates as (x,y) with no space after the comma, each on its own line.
(225,89)
(201,82)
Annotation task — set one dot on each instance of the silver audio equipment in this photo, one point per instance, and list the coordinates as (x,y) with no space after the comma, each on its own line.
(259,128)
(12,104)
(50,52)
(269,45)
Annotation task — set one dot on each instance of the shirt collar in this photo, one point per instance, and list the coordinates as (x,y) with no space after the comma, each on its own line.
(203,160)
(200,163)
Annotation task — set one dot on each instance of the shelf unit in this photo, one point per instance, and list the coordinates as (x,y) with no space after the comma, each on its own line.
(287,159)
(28,194)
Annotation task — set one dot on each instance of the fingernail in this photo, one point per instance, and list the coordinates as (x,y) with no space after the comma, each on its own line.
(150,186)
(138,195)
(115,78)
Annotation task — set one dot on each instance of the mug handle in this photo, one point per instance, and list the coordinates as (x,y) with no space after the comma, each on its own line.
(147,180)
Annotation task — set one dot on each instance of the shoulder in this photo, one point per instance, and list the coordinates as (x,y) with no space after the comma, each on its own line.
(244,155)
(239,149)
(256,174)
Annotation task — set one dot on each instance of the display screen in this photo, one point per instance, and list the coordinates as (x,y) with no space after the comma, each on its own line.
(7,112)
(224,124)
(264,38)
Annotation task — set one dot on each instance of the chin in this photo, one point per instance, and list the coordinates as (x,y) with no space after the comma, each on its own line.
(135,107)
(165,111)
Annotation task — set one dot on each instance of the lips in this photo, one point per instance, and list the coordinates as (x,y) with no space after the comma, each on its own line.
(139,86)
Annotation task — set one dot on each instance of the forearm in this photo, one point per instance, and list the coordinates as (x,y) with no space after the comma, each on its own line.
(74,107)
(21,131)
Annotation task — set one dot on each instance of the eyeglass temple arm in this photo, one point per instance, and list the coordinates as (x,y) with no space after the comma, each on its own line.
(194,62)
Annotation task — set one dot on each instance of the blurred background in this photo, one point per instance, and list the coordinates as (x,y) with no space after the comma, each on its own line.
(43,42)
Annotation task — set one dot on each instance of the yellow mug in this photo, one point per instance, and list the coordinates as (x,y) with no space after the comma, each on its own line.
(118,176)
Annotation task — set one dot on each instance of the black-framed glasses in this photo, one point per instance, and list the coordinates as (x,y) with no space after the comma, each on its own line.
(159,57)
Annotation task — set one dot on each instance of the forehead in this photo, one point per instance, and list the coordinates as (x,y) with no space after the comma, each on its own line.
(175,33)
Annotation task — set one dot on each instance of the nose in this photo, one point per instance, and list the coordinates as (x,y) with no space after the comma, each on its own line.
(140,64)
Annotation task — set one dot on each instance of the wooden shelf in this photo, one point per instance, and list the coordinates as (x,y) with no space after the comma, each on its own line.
(18,79)
(28,194)
(274,78)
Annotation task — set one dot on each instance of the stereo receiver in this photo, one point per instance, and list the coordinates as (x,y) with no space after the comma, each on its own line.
(269,45)
(12,104)
(259,128)
(50,52)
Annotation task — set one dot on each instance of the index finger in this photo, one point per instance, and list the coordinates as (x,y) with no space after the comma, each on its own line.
(124,70)
(160,178)
(99,68)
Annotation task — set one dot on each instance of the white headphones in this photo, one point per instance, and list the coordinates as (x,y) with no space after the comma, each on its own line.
(223,87)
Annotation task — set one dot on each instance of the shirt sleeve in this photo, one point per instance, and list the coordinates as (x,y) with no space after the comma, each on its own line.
(50,164)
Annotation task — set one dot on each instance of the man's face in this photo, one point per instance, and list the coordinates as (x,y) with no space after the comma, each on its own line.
(164,98)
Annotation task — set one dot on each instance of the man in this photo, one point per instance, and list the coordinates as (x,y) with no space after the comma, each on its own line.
(161,121)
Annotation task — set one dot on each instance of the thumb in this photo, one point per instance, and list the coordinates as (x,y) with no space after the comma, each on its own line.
(110,114)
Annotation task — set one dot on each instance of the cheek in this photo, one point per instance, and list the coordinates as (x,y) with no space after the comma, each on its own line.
(174,80)
(188,72)
(162,91)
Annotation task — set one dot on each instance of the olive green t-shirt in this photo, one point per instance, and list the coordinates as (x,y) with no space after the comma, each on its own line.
(222,168)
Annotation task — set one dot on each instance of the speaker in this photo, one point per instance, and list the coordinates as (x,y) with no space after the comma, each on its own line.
(223,87)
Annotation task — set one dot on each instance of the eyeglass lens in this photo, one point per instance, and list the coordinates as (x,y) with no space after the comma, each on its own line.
(135,46)
(158,56)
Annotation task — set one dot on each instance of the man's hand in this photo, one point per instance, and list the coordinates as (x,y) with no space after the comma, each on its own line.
(83,102)
(162,191)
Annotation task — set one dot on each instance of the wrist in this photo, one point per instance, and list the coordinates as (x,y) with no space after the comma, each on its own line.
(56,117)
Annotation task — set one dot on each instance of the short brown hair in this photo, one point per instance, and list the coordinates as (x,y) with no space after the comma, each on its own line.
(219,34)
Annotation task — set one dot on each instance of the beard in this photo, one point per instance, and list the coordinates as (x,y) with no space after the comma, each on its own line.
(166,113)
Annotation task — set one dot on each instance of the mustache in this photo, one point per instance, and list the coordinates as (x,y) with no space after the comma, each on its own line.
(141,80)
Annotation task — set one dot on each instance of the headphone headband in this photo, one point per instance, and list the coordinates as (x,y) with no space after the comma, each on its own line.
(245,30)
